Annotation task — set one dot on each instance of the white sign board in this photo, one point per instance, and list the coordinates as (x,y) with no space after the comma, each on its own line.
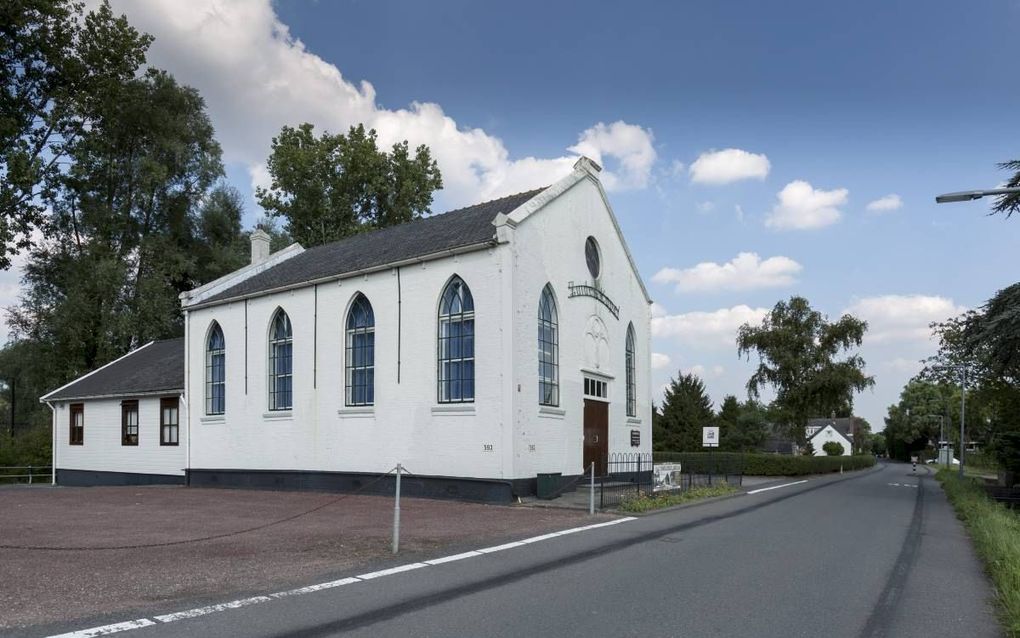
(710,437)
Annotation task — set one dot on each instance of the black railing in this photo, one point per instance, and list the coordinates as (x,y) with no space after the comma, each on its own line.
(632,475)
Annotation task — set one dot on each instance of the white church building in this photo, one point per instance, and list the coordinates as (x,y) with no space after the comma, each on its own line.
(477,348)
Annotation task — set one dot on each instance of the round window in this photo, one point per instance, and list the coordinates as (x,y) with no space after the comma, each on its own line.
(591,255)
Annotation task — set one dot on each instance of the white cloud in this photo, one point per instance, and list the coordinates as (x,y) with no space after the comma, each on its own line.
(256,77)
(885,204)
(802,207)
(729,165)
(658,310)
(739,210)
(706,373)
(705,207)
(660,360)
(746,271)
(902,318)
(707,329)
(677,168)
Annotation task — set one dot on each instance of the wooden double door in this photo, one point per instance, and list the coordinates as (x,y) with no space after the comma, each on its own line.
(596,435)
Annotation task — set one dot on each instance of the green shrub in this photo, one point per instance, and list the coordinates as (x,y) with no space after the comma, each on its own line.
(995,531)
(833,448)
(649,502)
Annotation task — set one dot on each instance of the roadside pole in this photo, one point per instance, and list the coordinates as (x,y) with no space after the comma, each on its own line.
(591,492)
(396,512)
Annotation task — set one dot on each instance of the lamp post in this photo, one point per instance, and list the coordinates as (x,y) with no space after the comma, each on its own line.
(967,196)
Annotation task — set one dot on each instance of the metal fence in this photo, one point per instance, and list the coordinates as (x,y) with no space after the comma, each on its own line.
(26,474)
(633,475)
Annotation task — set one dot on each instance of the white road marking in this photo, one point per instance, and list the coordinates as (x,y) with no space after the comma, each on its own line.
(776,487)
(255,600)
(212,609)
(450,559)
(314,588)
(392,570)
(107,629)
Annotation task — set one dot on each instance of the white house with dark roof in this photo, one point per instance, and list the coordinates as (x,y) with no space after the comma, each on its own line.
(121,423)
(477,348)
(822,431)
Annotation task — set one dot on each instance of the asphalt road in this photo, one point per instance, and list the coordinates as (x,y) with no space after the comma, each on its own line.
(851,555)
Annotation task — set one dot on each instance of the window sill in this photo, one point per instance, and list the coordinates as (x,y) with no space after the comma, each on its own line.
(357,412)
(213,418)
(278,415)
(633,421)
(551,412)
(454,410)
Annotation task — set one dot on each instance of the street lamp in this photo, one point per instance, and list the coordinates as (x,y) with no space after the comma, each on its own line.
(966,196)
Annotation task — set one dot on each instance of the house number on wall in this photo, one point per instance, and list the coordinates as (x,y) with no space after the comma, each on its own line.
(487,447)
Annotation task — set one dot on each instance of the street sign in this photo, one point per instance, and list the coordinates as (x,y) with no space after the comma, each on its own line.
(710,436)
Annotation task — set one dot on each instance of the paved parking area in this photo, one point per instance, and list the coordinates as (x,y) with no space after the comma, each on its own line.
(39,586)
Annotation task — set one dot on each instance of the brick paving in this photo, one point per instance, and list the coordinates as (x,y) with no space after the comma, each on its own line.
(38,587)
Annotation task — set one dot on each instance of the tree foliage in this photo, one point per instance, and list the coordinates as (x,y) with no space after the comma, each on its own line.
(742,426)
(686,409)
(59,67)
(799,354)
(332,186)
(1009,203)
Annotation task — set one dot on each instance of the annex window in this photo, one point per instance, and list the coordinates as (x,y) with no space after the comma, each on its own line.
(548,350)
(77,424)
(281,362)
(215,371)
(129,423)
(596,389)
(169,421)
(456,364)
(630,366)
(360,351)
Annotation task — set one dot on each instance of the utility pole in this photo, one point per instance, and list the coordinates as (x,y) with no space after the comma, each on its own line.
(963,412)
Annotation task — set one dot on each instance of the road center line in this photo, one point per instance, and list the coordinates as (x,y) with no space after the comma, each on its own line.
(776,487)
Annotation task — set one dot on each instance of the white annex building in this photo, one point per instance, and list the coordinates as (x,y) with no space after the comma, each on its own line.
(478,348)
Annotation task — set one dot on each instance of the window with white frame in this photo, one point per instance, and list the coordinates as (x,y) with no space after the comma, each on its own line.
(281,364)
(360,353)
(215,371)
(456,351)
(548,350)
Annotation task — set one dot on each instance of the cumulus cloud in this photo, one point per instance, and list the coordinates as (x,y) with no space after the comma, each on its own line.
(885,204)
(802,207)
(902,318)
(658,310)
(705,372)
(660,360)
(746,271)
(256,77)
(707,329)
(729,165)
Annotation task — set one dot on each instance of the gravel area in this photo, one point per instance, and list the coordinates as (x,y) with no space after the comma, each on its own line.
(45,586)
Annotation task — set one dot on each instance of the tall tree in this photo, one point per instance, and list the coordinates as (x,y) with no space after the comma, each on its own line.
(798,351)
(122,240)
(329,187)
(686,409)
(58,66)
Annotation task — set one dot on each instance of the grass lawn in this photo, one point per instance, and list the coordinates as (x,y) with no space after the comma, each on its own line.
(995,531)
(658,501)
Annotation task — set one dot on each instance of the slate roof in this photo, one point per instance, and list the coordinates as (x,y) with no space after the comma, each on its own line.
(843,425)
(155,367)
(446,231)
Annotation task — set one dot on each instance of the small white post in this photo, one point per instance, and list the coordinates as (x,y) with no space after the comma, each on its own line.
(396,513)
(840,468)
(591,497)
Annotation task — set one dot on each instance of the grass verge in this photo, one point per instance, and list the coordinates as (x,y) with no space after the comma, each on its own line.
(650,502)
(995,531)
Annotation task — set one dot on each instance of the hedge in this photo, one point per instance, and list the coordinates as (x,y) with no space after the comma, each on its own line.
(762,464)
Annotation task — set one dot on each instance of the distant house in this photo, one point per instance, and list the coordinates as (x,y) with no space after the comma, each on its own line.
(818,432)
(822,431)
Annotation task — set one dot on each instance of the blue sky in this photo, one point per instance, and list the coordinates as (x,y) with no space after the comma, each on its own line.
(834,106)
